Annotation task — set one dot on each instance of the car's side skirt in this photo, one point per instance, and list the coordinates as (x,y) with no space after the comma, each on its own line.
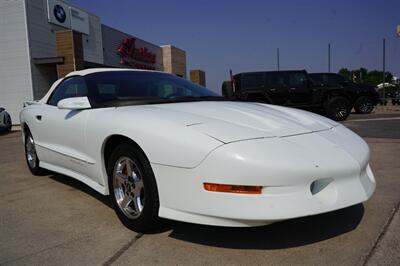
(84,179)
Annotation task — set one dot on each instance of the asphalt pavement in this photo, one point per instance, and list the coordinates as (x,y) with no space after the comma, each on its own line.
(56,220)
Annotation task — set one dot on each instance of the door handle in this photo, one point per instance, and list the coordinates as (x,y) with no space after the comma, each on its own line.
(272,89)
(292,89)
(39,117)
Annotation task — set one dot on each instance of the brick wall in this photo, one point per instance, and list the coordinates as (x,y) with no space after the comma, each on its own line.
(69,46)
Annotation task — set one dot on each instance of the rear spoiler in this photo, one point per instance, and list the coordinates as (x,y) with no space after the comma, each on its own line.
(27,103)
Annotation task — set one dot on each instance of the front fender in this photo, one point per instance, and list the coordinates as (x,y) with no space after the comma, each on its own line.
(164,141)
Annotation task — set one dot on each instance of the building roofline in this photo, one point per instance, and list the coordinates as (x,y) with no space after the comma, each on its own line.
(88,71)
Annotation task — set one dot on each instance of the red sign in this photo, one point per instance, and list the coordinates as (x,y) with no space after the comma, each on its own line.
(129,54)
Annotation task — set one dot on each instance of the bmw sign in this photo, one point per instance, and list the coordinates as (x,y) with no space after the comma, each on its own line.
(59,13)
(66,16)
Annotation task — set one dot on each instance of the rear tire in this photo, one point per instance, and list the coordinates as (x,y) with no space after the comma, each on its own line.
(32,160)
(133,188)
(364,105)
(337,108)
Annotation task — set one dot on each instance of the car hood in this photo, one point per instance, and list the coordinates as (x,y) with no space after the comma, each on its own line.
(235,121)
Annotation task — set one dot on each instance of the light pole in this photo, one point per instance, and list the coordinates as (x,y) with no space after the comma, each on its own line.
(277,58)
(329,57)
(383,69)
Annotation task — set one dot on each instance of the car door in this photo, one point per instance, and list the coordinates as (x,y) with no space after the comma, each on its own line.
(277,87)
(300,88)
(61,132)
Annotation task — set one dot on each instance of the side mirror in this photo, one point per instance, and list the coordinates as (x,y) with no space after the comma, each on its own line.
(74,103)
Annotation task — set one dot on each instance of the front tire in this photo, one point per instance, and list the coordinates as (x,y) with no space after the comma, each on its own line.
(364,105)
(133,188)
(32,160)
(337,108)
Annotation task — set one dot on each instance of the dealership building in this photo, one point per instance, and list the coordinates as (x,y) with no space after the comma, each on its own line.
(43,40)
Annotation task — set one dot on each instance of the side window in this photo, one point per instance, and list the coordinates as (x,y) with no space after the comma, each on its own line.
(297,78)
(278,80)
(253,80)
(71,87)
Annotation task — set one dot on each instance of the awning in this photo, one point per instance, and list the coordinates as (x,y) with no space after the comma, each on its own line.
(49,60)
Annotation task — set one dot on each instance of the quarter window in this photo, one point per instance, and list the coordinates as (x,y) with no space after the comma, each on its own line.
(69,88)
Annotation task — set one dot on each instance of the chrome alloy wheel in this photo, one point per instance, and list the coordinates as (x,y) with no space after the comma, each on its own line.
(366,107)
(128,187)
(341,109)
(30,151)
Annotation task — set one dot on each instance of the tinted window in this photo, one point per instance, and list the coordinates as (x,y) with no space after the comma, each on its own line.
(297,78)
(253,80)
(278,79)
(140,85)
(70,87)
(334,79)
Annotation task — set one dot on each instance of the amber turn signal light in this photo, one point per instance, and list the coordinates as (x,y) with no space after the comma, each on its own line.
(232,188)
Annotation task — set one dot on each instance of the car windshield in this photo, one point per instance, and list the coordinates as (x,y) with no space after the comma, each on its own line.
(141,87)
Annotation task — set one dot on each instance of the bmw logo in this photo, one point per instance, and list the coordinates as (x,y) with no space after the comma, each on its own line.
(59,13)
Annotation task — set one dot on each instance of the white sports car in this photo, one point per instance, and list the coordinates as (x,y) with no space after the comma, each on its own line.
(161,146)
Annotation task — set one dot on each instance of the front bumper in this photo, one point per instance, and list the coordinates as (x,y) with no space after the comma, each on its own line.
(292,171)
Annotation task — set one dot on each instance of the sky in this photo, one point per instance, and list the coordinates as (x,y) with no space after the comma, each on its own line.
(244,35)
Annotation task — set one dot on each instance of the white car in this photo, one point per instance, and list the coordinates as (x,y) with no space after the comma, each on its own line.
(161,146)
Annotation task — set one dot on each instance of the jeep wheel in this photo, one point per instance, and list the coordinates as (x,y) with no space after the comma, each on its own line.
(364,105)
(337,108)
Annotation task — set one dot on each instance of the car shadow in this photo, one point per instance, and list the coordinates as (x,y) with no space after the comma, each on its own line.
(280,235)
(76,184)
(5,132)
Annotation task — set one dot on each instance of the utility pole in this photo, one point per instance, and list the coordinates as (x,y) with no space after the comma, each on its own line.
(383,69)
(329,57)
(277,58)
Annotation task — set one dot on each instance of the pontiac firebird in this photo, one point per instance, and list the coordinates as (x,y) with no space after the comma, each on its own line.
(163,147)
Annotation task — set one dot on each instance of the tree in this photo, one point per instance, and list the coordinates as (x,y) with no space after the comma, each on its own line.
(373,77)
(345,73)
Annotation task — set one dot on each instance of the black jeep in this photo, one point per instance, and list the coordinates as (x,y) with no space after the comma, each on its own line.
(362,96)
(298,89)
